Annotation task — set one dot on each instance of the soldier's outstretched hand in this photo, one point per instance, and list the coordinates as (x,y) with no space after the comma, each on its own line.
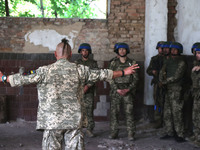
(131,69)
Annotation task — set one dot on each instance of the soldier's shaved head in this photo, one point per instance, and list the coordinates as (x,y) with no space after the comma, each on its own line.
(63,50)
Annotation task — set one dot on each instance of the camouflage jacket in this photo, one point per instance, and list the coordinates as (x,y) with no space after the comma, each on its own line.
(156,63)
(173,71)
(59,88)
(93,65)
(125,82)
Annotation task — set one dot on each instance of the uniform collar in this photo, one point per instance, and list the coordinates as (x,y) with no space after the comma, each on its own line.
(62,59)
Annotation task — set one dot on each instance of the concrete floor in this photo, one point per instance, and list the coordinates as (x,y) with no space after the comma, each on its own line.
(21,135)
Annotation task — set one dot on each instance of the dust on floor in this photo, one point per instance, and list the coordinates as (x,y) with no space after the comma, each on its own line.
(21,135)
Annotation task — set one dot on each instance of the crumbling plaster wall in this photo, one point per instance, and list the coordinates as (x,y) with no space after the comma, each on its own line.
(37,35)
(125,23)
(43,39)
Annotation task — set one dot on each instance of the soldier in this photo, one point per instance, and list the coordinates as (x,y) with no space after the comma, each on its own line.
(89,88)
(195,75)
(194,46)
(59,93)
(116,57)
(153,69)
(122,92)
(172,74)
(166,49)
(166,55)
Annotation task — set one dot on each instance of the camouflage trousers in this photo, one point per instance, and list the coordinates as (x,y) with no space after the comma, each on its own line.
(173,112)
(158,95)
(196,113)
(87,110)
(128,103)
(53,139)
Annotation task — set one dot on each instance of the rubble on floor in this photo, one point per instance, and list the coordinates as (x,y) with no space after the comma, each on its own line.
(21,135)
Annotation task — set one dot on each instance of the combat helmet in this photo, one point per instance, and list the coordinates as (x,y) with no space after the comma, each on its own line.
(166,44)
(122,45)
(178,46)
(197,48)
(160,44)
(85,46)
(194,46)
(115,47)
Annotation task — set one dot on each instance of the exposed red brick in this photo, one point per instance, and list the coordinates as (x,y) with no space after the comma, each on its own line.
(172,22)
(6,49)
(115,2)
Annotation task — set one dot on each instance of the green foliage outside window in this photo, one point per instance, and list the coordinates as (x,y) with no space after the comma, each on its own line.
(48,8)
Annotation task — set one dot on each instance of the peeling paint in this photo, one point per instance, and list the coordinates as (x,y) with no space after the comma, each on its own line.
(187,31)
(42,39)
(49,38)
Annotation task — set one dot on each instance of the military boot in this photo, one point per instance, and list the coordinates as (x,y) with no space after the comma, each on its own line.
(180,139)
(89,133)
(131,136)
(197,143)
(166,137)
(192,138)
(113,135)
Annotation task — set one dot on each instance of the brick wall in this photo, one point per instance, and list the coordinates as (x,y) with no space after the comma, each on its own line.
(126,23)
(22,101)
(13,31)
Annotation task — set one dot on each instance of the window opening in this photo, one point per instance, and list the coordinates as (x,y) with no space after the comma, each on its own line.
(86,9)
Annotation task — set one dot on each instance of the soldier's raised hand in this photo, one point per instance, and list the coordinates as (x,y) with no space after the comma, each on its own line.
(131,69)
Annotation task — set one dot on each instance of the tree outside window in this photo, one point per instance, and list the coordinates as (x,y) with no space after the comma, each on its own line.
(93,9)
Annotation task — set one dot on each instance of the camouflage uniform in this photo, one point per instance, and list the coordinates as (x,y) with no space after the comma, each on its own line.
(156,64)
(195,75)
(172,74)
(88,99)
(126,82)
(59,92)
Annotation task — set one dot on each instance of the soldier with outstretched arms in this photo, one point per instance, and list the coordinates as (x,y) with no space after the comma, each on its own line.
(60,89)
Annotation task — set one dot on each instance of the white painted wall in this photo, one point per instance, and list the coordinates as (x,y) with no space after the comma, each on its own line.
(155,30)
(187,31)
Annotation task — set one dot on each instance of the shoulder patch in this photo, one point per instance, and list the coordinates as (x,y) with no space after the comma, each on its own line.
(29,72)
